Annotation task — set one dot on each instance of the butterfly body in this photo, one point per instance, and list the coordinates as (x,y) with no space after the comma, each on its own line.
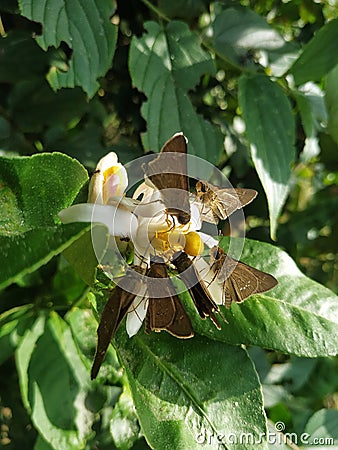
(240,280)
(220,203)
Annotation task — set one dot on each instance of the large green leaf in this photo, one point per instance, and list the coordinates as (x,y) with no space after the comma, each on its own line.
(193,392)
(85,26)
(165,63)
(34,189)
(319,56)
(299,316)
(54,383)
(270,128)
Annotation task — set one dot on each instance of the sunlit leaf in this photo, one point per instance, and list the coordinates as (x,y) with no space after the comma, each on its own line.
(319,56)
(47,361)
(85,26)
(270,128)
(34,189)
(181,402)
(165,63)
(298,316)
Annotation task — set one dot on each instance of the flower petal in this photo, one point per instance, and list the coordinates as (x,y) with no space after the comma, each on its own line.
(109,179)
(208,240)
(136,314)
(208,276)
(119,222)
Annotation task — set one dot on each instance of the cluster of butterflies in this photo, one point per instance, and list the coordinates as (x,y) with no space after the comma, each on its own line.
(168,173)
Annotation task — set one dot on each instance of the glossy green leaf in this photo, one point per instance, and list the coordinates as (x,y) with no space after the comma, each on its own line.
(270,128)
(189,393)
(165,63)
(331,99)
(298,316)
(85,26)
(34,189)
(47,362)
(319,56)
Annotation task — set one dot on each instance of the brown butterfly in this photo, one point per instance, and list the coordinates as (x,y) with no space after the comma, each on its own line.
(167,312)
(112,315)
(196,287)
(239,280)
(168,173)
(221,203)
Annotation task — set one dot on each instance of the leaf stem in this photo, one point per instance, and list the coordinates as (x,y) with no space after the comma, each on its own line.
(156,10)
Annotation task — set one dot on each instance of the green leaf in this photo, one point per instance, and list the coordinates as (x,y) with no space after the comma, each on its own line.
(85,26)
(48,361)
(28,251)
(299,316)
(82,255)
(270,128)
(34,189)
(192,392)
(331,99)
(323,426)
(164,64)
(237,32)
(13,324)
(310,101)
(124,426)
(319,56)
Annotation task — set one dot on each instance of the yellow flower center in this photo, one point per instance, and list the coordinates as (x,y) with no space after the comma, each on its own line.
(174,239)
(193,244)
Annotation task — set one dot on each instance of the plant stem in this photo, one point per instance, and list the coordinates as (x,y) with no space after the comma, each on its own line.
(156,10)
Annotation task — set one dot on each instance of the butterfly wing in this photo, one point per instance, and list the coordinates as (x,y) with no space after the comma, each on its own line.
(112,315)
(168,173)
(230,200)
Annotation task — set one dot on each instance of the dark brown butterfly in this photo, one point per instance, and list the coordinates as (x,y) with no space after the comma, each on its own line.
(221,203)
(168,173)
(112,315)
(239,280)
(167,312)
(196,287)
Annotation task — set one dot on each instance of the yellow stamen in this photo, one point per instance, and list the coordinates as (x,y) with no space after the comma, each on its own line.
(193,244)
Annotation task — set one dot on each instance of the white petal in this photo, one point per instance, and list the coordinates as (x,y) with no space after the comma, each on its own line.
(136,315)
(214,287)
(208,240)
(196,221)
(119,222)
(109,179)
